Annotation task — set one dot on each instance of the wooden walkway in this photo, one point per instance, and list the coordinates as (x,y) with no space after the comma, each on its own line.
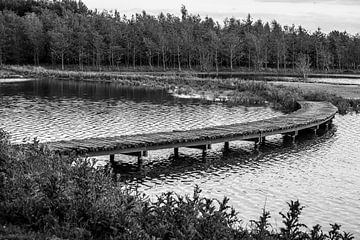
(311,115)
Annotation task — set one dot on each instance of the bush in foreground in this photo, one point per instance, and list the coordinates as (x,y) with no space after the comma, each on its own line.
(43,196)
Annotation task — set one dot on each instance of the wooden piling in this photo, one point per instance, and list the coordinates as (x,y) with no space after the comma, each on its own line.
(112,158)
(226,146)
(145,153)
(294,135)
(315,129)
(176,152)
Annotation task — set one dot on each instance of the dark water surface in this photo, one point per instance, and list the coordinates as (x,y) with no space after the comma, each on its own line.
(55,110)
(323,172)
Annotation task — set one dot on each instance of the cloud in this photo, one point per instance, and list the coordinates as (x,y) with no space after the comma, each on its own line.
(310,22)
(341,2)
(327,14)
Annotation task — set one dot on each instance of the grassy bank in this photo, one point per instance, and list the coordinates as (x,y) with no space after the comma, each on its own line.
(234,91)
(43,196)
(347,91)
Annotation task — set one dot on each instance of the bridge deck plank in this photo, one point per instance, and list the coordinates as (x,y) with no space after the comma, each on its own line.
(310,113)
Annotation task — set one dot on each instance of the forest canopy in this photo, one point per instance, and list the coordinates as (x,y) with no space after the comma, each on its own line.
(66,32)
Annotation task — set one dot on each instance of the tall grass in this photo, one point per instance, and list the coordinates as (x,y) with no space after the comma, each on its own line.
(43,196)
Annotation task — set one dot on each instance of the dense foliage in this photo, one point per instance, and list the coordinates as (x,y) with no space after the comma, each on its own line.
(43,196)
(67,32)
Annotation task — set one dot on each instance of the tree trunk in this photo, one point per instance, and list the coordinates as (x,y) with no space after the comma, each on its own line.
(128,55)
(34,57)
(62,61)
(189,61)
(94,60)
(112,58)
(134,57)
(178,55)
(151,67)
(293,57)
(284,62)
(216,62)
(278,61)
(80,60)
(266,59)
(140,60)
(317,59)
(163,57)
(174,60)
(158,59)
(231,60)
(98,60)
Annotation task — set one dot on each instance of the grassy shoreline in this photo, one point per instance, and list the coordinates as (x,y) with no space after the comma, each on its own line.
(44,196)
(232,90)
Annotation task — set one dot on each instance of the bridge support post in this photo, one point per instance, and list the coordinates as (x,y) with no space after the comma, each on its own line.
(292,136)
(259,142)
(226,146)
(315,129)
(331,123)
(176,152)
(141,156)
(327,126)
(262,140)
(204,150)
(112,159)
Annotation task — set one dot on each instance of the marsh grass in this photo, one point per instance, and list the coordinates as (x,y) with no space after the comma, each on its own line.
(248,92)
(44,196)
(238,91)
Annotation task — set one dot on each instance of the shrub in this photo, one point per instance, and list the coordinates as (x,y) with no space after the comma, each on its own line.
(44,196)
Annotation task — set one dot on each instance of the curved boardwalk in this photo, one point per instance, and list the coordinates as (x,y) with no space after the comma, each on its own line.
(311,115)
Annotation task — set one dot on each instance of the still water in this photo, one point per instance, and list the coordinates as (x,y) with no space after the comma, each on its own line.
(322,172)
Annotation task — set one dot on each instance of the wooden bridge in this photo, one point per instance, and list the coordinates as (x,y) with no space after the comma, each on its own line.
(309,116)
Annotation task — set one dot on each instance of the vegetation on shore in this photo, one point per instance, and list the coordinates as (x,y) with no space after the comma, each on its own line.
(43,196)
(233,90)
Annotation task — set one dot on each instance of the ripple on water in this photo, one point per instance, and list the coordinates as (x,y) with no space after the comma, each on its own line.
(322,172)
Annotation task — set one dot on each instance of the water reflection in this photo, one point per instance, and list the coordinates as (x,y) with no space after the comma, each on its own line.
(322,172)
(55,110)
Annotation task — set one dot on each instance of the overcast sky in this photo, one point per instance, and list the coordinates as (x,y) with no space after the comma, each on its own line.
(327,14)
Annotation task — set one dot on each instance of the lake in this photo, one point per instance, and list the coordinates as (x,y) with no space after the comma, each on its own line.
(322,172)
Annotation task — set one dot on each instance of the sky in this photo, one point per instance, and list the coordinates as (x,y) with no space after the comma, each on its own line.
(328,15)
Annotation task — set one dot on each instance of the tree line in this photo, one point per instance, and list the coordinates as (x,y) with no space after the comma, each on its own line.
(66,32)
